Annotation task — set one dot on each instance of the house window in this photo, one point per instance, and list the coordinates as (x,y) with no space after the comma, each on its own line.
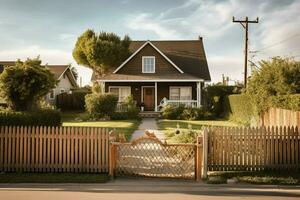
(52,94)
(180,93)
(148,64)
(62,90)
(121,92)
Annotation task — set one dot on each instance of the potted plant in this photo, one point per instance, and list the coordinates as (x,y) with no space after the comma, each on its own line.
(142,106)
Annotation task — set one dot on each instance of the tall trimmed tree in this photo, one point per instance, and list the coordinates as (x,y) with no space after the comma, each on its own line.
(24,84)
(101,51)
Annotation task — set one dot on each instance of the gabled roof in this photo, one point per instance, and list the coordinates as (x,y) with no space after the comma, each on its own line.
(60,70)
(188,55)
(138,50)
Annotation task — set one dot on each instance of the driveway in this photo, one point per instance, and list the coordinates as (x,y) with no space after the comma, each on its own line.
(143,189)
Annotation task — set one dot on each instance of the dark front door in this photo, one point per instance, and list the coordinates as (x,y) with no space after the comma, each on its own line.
(148,97)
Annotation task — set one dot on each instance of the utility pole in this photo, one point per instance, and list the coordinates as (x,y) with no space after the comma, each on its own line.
(245,23)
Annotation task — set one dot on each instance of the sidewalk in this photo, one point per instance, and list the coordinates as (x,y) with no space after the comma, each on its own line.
(150,125)
(147,189)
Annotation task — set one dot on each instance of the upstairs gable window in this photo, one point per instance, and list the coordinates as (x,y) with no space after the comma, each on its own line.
(148,64)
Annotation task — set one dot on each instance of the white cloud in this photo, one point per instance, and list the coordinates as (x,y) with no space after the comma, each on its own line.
(229,66)
(67,37)
(145,23)
(48,56)
(212,20)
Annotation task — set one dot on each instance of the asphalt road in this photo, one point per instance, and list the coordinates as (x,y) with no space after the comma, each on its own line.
(140,189)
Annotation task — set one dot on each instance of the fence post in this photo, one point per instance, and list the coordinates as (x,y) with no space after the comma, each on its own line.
(205,153)
(198,158)
(112,153)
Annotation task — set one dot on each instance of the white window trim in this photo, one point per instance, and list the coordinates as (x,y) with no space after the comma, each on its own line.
(119,90)
(191,88)
(143,57)
(51,98)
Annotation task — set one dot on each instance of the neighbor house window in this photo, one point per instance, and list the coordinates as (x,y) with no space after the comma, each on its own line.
(52,94)
(148,64)
(62,90)
(180,93)
(121,92)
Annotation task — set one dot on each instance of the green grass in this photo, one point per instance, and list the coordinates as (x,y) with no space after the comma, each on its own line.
(53,178)
(126,127)
(263,177)
(168,127)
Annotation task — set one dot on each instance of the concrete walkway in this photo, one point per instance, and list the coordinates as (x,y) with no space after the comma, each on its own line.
(148,124)
(138,189)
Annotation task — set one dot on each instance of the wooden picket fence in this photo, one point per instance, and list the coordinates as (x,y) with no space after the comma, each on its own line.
(253,148)
(54,149)
(280,117)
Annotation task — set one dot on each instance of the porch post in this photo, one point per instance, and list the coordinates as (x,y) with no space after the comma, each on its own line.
(103,87)
(155,96)
(198,94)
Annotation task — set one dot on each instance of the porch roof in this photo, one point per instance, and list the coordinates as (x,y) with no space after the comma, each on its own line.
(147,78)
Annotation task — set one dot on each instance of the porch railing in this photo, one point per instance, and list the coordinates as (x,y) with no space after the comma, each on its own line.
(122,107)
(186,103)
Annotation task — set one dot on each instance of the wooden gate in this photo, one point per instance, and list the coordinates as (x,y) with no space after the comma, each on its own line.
(149,157)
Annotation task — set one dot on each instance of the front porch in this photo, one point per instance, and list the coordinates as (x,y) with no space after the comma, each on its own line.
(153,95)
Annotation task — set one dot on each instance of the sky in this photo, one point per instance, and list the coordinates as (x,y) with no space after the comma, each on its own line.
(49,28)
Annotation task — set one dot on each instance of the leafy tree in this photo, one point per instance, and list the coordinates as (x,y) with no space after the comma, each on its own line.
(24,84)
(101,51)
(276,77)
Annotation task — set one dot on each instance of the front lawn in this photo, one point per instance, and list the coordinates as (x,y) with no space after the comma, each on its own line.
(53,178)
(126,127)
(284,177)
(169,127)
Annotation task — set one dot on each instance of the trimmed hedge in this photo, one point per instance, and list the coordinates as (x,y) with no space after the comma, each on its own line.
(74,101)
(214,97)
(36,118)
(238,108)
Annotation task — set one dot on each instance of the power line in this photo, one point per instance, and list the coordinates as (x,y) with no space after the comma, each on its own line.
(277,43)
(245,23)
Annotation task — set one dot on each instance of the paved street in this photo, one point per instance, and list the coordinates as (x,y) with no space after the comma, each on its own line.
(142,189)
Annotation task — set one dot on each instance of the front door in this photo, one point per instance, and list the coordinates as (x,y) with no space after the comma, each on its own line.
(148,98)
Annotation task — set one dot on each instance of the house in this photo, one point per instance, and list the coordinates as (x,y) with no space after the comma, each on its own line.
(160,72)
(63,73)
(66,81)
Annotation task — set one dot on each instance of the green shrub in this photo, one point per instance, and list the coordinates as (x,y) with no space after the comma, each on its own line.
(131,113)
(239,109)
(101,105)
(185,136)
(183,113)
(172,111)
(195,114)
(33,118)
(276,79)
(290,102)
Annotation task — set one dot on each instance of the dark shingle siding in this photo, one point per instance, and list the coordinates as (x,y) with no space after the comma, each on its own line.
(188,55)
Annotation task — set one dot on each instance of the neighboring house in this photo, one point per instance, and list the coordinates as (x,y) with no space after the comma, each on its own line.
(66,81)
(160,72)
(63,74)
